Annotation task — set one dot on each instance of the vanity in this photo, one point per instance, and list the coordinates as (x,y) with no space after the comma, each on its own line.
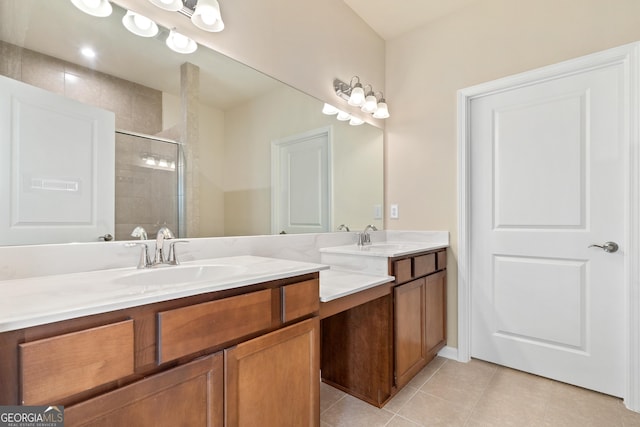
(223,338)
(376,340)
(133,350)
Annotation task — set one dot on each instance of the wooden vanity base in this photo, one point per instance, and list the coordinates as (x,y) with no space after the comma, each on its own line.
(357,352)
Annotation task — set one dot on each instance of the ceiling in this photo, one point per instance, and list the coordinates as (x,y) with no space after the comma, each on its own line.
(391,19)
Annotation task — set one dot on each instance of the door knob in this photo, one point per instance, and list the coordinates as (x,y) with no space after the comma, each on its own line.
(107,237)
(609,247)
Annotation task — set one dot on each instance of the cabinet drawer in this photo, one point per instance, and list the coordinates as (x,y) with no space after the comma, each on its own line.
(300,299)
(424,264)
(402,270)
(441,260)
(61,366)
(187,330)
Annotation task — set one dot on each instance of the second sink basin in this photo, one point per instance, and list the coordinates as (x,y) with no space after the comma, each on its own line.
(173,275)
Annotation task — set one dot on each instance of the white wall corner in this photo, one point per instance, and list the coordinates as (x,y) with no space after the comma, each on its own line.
(449,353)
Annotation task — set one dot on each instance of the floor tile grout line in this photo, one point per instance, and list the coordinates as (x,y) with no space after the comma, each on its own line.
(404,418)
(417,389)
(334,403)
(484,390)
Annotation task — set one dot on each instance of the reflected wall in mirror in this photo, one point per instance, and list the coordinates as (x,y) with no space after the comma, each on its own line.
(226,115)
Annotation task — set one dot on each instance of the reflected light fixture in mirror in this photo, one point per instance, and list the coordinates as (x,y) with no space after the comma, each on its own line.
(343,117)
(180,43)
(207,16)
(330,110)
(170,5)
(354,121)
(100,8)
(139,25)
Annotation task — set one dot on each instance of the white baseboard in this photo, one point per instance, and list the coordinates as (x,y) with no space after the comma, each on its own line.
(449,353)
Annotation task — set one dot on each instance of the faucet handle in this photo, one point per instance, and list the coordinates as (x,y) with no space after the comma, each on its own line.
(172,251)
(144,262)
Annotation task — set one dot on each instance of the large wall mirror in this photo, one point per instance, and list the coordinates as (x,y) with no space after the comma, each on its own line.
(234,126)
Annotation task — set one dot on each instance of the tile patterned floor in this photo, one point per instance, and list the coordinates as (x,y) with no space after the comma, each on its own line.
(475,394)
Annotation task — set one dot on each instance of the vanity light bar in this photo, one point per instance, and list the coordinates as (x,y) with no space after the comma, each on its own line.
(355,95)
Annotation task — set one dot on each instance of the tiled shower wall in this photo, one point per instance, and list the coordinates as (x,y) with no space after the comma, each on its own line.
(145,195)
(137,108)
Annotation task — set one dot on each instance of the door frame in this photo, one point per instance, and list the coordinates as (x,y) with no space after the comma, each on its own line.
(276,145)
(629,56)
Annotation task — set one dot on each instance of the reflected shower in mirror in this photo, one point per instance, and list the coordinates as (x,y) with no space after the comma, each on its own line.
(226,115)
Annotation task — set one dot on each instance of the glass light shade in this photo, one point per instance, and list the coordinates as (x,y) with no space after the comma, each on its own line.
(172,5)
(207,16)
(357,96)
(100,8)
(355,121)
(181,43)
(382,112)
(342,116)
(139,25)
(329,109)
(370,104)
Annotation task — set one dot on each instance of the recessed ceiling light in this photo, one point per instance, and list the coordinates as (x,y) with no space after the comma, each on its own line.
(88,52)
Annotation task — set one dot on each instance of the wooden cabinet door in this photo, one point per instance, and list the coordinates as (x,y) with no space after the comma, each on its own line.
(435,313)
(409,330)
(274,380)
(189,395)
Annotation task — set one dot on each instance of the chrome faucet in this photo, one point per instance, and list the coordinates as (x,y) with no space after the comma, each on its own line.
(140,233)
(159,258)
(163,233)
(364,238)
(343,227)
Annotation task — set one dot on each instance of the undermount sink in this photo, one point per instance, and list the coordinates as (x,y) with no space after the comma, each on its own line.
(173,275)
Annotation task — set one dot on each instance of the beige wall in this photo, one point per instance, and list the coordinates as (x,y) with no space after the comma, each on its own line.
(211,152)
(488,40)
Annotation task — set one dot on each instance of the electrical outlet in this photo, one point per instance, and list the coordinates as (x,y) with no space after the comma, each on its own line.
(377,211)
(394,214)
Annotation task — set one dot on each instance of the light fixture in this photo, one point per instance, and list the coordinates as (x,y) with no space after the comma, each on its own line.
(354,94)
(99,8)
(342,116)
(171,5)
(354,121)
(181,43)
(370,102)
(139,25)
(356,98)
(329,110)
(207,16)
(157,161)
(382,112)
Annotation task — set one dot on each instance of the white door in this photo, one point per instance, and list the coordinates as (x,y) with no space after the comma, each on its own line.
(57,167)
(301,183)
(547,181)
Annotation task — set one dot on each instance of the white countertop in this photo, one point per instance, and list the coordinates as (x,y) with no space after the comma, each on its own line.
(47,299)
(336,284)
(385,249)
